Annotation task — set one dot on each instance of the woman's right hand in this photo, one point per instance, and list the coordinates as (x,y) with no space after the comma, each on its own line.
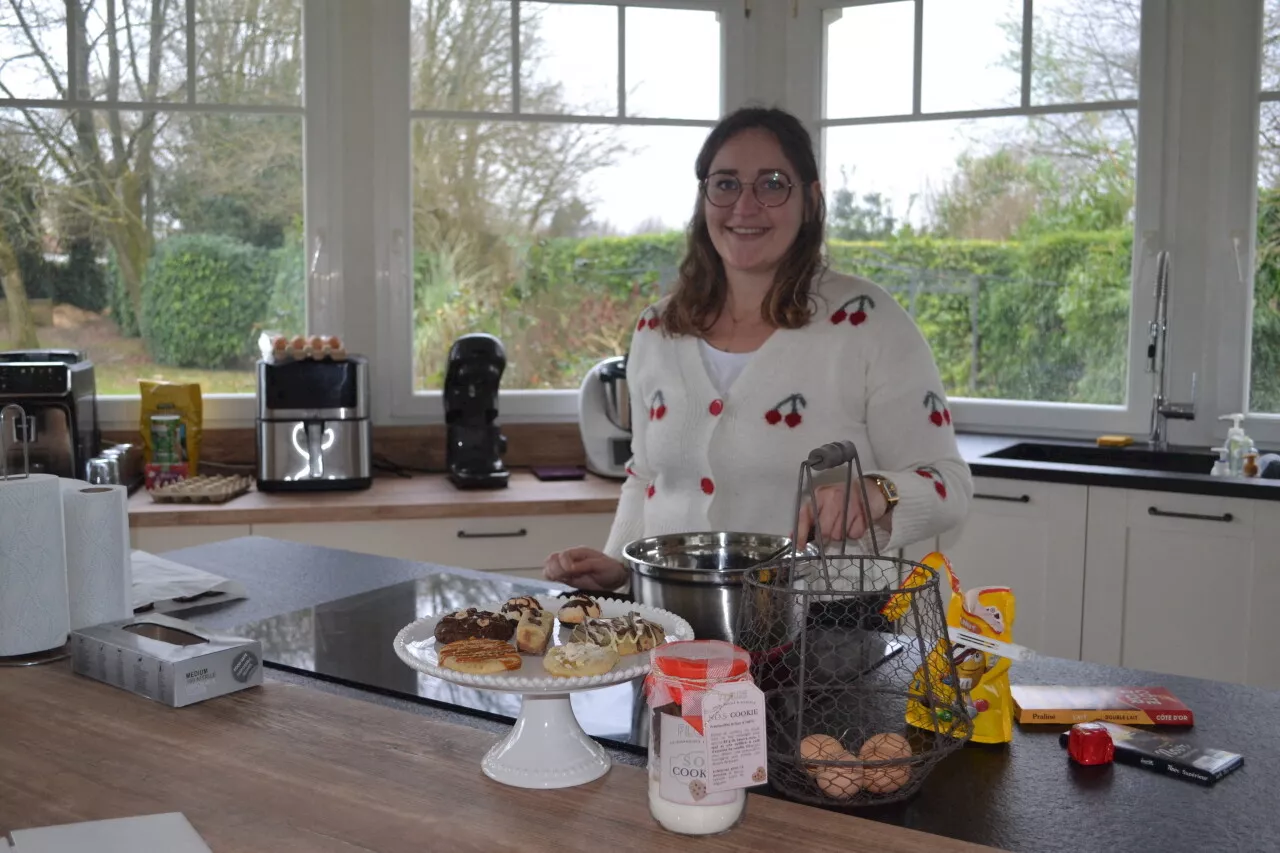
(585,568)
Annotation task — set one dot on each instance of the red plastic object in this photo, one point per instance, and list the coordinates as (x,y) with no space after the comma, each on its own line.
(1090,743)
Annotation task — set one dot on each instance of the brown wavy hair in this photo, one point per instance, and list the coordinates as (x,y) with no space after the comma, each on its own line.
(701,288)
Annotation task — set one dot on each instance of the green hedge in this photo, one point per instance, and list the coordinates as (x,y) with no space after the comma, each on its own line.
(203,299)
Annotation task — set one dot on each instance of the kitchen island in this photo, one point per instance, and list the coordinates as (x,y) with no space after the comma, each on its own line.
(1020,796)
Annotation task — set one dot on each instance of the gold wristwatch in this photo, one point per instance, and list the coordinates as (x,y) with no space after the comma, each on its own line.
(887,488)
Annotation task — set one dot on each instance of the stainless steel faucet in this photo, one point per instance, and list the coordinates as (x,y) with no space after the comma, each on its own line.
(1157,341)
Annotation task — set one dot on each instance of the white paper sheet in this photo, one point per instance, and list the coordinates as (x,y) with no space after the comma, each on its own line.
(170,832)
(161,582)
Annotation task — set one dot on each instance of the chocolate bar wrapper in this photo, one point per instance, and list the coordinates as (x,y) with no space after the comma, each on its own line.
(1168,755)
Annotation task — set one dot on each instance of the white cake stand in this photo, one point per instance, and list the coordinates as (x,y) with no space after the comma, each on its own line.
(547,747)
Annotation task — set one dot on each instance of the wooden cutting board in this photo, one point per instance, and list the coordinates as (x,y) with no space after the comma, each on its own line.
(286,768)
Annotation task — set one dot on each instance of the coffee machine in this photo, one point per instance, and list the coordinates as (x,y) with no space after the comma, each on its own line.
(314,431)
(57,390)
(475,444)
(604,418)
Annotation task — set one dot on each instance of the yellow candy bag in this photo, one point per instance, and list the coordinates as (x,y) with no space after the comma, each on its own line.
(171,422)
(983,677)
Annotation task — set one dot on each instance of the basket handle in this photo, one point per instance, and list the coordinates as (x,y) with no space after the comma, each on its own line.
(832,455)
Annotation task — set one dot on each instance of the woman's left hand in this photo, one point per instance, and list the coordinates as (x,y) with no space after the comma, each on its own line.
(831,507)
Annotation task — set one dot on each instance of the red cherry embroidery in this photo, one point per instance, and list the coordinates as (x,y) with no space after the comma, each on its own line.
(649,491)
(854,310)
(640,326)
(939,485)
(716,407)
(648,320)
(657,407)
(793,418)
(938,412)
(653,322)
(707,486)
(631,472)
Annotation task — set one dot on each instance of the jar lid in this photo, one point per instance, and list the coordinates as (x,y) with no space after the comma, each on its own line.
(700,660)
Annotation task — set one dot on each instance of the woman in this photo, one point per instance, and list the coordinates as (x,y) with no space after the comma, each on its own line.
(761,354)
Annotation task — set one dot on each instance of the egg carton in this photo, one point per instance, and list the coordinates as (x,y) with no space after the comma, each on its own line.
(204,489)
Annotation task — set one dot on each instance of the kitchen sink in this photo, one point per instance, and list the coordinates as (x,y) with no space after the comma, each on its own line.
(1172,461)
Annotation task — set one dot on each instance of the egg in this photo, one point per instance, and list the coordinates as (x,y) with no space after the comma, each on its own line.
(335,342)
(316,342)
(298,343)
(822,748)
(841,783)
(885,747)
(279,344)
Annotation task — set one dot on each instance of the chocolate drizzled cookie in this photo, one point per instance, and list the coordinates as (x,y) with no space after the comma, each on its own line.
(513,608)
(473,624)
(626,635)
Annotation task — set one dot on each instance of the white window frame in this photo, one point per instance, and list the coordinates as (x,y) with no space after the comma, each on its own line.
(321,213)
(396,401)
(806,49)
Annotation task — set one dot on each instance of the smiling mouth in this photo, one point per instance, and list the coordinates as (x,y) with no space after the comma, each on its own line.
(747,232)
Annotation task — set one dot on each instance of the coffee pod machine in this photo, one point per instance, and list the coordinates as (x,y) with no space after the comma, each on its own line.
(314,431)
(57,391)
(475,444)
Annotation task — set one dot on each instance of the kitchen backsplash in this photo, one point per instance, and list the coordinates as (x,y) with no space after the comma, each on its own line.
(556,444)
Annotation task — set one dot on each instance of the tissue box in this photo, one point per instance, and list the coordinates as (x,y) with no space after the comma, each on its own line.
(166,659)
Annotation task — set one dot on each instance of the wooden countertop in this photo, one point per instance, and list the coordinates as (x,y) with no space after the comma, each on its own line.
(287,768)
(421,496)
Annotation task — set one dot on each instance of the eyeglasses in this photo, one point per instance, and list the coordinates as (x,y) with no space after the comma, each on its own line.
(772,189)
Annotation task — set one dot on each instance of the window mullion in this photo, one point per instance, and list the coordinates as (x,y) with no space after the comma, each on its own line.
(622,61)
(515,56)
(917,62)
(1028,48)
(191,52)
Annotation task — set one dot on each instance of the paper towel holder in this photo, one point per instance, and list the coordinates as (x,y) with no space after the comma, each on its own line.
(4,445)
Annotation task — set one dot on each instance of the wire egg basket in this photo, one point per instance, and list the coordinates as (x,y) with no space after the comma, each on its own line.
(848,648)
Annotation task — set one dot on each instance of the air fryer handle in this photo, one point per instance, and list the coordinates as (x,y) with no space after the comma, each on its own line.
(315,449)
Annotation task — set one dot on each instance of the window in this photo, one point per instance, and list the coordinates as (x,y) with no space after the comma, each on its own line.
(552,151)
(151,167)
(1264,379)
(980,161)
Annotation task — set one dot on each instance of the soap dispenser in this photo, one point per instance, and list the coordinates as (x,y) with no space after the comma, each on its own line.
(1221,468)
(1237,444)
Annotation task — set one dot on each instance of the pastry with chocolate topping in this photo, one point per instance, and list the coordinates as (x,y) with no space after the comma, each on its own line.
(578,608)
(627,635)
(533,631)
(480,657)
(473,624)
(514,607)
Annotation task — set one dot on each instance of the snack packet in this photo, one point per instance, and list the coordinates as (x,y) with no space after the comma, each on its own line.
(171,423)
(983,677)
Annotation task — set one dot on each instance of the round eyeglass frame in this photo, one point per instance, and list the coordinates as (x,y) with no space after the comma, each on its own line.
(755,189)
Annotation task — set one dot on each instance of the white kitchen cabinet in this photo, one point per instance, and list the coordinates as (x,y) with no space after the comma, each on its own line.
(156,540)
(1029,537)
(502,543)
(1184,584)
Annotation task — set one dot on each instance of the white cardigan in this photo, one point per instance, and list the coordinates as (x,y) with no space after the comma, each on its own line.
(859,371)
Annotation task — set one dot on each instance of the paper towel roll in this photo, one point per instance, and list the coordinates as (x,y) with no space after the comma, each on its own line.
(34,612)
(99,573)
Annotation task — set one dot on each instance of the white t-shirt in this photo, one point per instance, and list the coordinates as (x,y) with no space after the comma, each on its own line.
(723,367)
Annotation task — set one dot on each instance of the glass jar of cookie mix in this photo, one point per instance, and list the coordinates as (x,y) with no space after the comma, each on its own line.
(706,735)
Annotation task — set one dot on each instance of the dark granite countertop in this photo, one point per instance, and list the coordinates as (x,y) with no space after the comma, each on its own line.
(1021,796)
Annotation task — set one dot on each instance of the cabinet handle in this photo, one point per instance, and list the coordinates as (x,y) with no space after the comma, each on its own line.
(1226,516)
(1020,499)
(500,534)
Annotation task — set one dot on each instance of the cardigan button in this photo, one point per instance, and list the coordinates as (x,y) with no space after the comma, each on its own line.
(716,407)
(707,486)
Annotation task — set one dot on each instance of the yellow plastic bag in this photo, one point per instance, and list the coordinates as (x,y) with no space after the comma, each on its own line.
(171,449)
(983,678)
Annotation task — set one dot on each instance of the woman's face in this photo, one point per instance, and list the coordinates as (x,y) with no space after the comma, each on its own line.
(749,236)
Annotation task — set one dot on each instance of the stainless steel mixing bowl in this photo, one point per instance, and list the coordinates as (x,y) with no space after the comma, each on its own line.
(699,576)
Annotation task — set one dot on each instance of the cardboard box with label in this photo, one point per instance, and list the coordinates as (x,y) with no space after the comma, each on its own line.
(166,659)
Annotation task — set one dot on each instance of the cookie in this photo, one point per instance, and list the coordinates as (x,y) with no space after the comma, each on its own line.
(885,747)
(577,609)
(533,631)
(578,659)
(480,657)
(473,624)
(514,607)
(626,635)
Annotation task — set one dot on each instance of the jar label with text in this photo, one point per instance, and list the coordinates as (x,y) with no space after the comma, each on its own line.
(683,763)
